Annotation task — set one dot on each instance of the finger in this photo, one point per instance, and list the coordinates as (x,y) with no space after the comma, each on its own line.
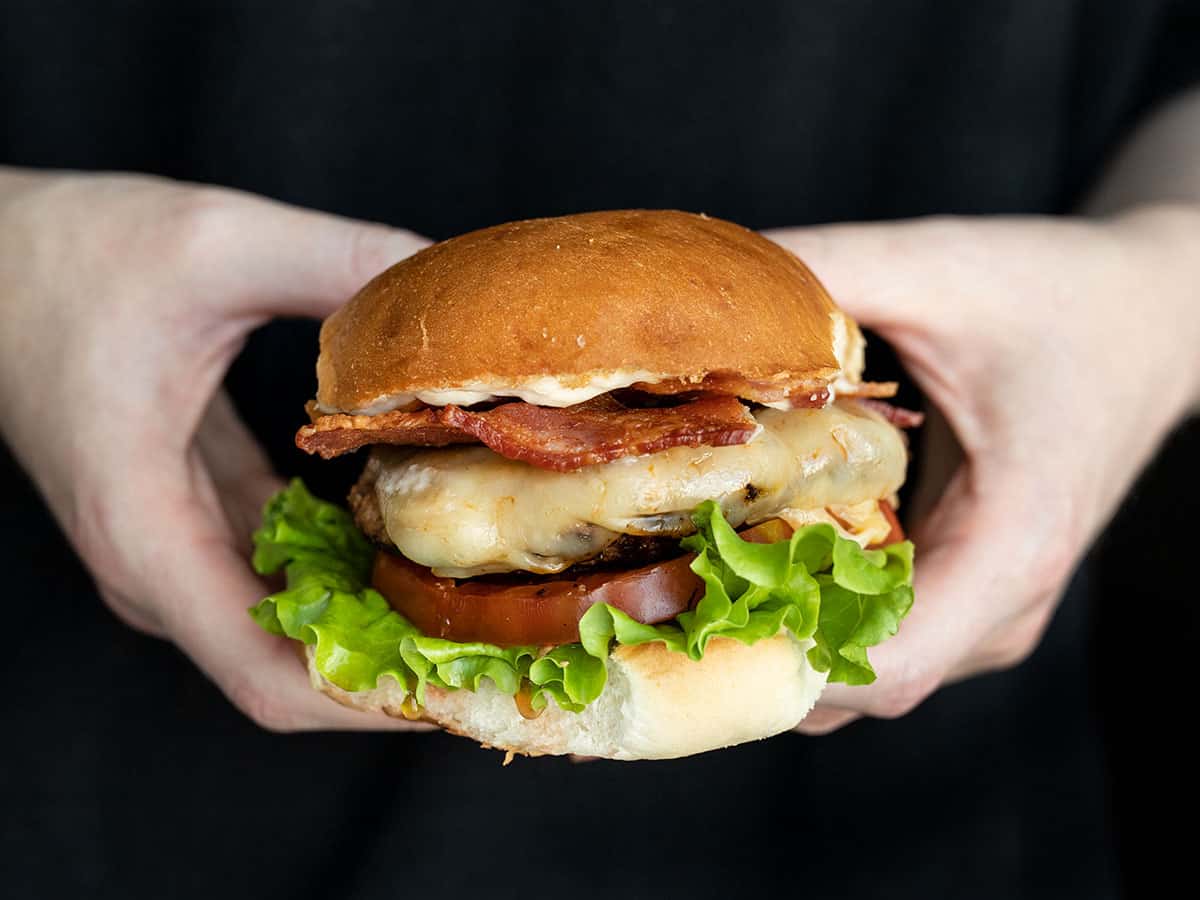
(260,673)
(241,475)
(940,459)
(957,562)
(867,268)
(292,261)
(886,276)
(890,275)
(130,613)
(1010,643)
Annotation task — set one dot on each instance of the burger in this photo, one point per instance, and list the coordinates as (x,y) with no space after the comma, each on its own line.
(626,493)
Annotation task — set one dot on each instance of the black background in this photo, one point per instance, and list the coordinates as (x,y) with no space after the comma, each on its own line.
(124,773)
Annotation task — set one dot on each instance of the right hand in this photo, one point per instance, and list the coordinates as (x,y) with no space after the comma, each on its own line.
(124,299)
(1057,353)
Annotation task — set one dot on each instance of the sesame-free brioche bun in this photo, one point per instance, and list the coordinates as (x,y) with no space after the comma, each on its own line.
(555,310)
(657,704)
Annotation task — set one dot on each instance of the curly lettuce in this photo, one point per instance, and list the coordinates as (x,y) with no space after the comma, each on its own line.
(816,584)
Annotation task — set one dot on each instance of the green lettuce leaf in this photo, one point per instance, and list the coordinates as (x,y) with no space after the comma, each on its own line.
(358,637)
(569,674)
(817,585)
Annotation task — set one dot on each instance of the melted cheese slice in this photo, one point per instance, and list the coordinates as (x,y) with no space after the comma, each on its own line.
(468,511)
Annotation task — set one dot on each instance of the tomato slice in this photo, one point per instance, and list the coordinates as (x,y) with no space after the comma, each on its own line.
(531,612)
(547,611)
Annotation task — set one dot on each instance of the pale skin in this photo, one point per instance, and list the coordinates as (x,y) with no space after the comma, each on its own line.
(1058,353)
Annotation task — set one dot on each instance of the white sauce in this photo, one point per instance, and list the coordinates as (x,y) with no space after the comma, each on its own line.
(544,391)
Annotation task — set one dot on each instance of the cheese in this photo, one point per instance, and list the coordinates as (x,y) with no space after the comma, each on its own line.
(466,511)
(864,523)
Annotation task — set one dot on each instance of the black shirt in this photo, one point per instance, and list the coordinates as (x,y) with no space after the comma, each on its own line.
(125,773)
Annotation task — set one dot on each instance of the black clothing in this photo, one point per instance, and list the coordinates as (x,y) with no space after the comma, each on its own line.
(125,773)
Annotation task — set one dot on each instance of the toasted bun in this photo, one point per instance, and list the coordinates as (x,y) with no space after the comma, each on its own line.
(586,303)
(658,704)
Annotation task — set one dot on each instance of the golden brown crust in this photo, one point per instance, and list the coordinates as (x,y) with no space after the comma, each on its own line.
(656,293)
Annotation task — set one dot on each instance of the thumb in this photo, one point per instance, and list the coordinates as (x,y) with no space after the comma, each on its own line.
(875,271)
(298,262)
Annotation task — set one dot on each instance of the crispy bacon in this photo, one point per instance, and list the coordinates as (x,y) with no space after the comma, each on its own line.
(764,390)
(897,415)
(602,430)
(758,390)
(333,435)
(561,439)
(872,389)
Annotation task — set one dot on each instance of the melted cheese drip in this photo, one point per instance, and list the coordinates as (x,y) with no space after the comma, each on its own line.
(468,511)
(863,522)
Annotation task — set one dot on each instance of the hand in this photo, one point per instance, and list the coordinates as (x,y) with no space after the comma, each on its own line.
(124,299)
(1060,352)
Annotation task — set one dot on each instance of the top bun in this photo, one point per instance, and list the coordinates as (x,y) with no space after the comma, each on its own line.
(557,310)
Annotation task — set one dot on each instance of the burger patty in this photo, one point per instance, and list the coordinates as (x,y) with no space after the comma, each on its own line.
(364,506)
(466,511)
(627,551)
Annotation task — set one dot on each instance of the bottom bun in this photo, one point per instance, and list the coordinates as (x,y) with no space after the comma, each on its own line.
(657,704)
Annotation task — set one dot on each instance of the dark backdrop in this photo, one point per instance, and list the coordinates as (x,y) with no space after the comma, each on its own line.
(124,772)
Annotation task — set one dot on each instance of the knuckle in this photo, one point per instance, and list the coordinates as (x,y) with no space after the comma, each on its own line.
(101,532)
(1052,566)
(93,523)
(821,721)
(1062,535)
(197,223)
(956,234)
(1011,654)
(906,692)
(1020,639)
(138,616)
(264,709)
(372,249)
(948,224)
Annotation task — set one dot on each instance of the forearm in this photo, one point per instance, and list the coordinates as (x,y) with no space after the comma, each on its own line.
(1159,164)
(1154,183)
(15,181)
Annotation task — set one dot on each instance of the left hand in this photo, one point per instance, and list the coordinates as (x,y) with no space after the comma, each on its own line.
(1060,352)
(124,299)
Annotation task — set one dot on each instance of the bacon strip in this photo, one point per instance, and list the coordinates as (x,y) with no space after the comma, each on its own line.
(602,430)
(897,415)
(763,390)
(758,390)
(336,434)
(561,439)
(872,389)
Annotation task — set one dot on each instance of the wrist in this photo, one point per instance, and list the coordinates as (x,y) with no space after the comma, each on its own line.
(16,183)
(1167,237)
